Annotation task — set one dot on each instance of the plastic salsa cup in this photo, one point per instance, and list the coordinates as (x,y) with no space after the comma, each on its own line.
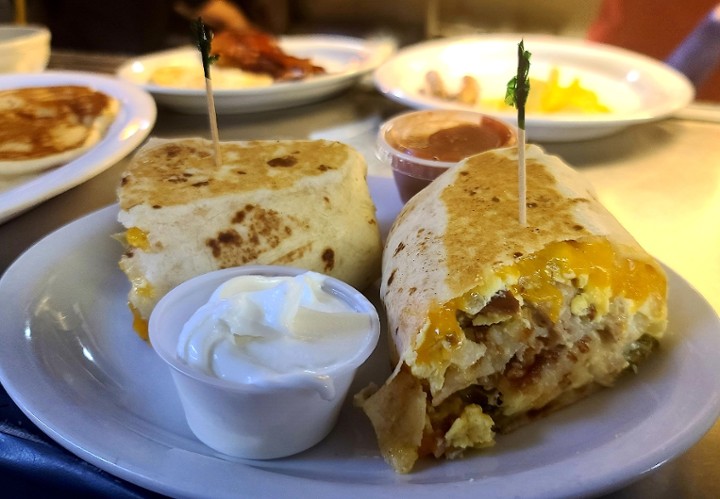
(421,145)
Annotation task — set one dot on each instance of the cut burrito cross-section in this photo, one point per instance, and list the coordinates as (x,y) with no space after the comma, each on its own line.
(493,324)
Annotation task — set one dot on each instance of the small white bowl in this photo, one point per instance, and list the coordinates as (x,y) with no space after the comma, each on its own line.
(278,418)
(24,49)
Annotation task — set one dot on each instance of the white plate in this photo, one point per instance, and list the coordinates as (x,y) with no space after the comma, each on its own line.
(132,124)
(635,87)
(71,361)
(345,59)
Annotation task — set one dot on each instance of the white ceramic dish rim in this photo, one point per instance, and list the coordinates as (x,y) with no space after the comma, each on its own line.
(371,53)
(133,124)
(149,456)
(674,85)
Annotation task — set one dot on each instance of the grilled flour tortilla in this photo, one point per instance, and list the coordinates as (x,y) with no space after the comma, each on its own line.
(493,323)
(44,127)
(298,203)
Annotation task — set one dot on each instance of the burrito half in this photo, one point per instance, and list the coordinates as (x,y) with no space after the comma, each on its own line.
(300,203)
(493,323)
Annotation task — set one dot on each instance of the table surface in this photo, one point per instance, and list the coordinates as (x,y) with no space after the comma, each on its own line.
(661,180)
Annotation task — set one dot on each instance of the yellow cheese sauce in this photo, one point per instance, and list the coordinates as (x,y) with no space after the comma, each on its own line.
(591,265)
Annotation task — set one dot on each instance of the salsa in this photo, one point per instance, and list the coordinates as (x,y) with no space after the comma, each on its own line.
(461,141)
(421,145)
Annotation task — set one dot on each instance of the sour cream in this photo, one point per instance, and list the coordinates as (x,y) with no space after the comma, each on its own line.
(242,342)
(255,328)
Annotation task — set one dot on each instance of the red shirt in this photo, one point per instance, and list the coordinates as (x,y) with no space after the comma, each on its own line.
(654,28)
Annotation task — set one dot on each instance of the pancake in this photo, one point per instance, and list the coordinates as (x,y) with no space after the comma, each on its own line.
(492,323)
(45,127)
(298,203)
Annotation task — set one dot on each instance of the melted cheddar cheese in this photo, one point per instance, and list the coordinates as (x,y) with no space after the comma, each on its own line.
(141,288)
(444,334)
(139,324)
(137,238)
(591,265)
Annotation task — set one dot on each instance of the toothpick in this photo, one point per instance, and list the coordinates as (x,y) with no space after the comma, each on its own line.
(204,37)
(518,89)
(20,12)
(522,183)
(213,121)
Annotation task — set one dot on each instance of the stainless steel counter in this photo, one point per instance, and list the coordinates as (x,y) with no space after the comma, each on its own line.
(661,180)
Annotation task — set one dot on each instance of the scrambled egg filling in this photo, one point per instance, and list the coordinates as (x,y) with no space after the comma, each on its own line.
(566,282)
(593,267)
(472,429)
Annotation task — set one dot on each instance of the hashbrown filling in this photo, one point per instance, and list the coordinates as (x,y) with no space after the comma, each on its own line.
(530,359)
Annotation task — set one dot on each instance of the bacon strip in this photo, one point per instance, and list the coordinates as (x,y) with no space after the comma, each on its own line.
(259,52)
